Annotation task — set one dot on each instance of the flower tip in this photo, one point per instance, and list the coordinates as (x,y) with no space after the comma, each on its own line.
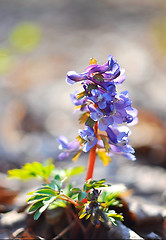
(92,61)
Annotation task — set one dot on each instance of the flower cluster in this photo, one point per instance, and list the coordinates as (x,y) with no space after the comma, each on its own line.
(94,209)
(104,112)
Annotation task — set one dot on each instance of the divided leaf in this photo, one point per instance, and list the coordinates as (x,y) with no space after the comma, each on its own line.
(57,182)
(114,217)
(32,170)
(94,184)
(40,211)
(82,195)
(35,206)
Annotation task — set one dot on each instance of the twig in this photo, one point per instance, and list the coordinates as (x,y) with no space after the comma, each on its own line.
(77,220)
(66,198)
(65,230)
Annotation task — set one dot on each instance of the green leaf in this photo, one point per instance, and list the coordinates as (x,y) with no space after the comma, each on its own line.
(19,173)
(37,215)
(67,189)
(25,37)
(113,216)
(82,195)
(90,122)
(40,211)
(33,167)
(45,192)
(49,200)
(94,184)
(98,77)
(106,144)
(82,213)
(75,190)
(87,216)
(53,186)
(74,171)
(115,219)
(56,204)
(90,87)
(45,186)
(35,198)
(110,198)
(57,182)
(32,170)
(35,206)
(47,170)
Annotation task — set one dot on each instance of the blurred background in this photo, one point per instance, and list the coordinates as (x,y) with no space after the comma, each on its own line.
(41,40)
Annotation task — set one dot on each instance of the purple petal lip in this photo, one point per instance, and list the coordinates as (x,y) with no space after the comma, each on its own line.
(73,77)
(67,147)
(88,135)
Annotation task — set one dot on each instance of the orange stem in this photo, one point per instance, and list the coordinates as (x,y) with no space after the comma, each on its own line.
(66,198)
(92,158)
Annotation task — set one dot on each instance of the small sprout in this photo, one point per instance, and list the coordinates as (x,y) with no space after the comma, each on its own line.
(97,210)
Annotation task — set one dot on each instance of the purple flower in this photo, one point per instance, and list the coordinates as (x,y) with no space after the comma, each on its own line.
(118,140)
(102,105)
(90,139)
(97,115)
(67,147)
(101,75)
(79,102)
(123,110)
(132,115)
(73,77)
(99,98)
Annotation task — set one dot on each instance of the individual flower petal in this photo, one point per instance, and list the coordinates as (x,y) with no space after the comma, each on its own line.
(73,77)
(121,78)
(63,142)
(110,71)
(90,139)
(67,147)
(63,155)
(95,113)
(113,65)
(105,122)
(98,98)
(118,139)
(133,112)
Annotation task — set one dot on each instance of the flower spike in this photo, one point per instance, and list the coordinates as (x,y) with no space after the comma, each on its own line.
(104,112)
